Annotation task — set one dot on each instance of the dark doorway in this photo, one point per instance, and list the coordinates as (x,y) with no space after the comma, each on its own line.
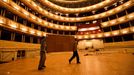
(21,54)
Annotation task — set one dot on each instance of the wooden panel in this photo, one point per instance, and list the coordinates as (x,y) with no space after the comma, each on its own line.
(59,43)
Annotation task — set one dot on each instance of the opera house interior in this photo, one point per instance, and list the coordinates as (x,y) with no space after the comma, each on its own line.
(104,30)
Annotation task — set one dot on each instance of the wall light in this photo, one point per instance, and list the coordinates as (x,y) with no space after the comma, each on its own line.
(79,37)
(99,35)
(1,20)
(26,13)
(132,29)
(32,31)
(125,31)
(32,16)
(131,16)
(13,26)
(104,24)
(86,36)
(5,0)
(56,26)
(92,36)
(39,33)
(24,29)
(115,32)
(106,34)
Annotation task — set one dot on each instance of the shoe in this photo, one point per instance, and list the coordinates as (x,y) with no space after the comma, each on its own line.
(69,62)
(78,62)
(43,66)
(40,68)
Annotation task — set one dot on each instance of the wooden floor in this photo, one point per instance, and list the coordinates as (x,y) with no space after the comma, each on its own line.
(57,64)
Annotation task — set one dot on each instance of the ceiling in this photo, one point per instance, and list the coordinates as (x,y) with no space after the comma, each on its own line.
(75,3)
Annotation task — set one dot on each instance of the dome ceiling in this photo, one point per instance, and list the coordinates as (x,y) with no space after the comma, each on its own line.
(75,3)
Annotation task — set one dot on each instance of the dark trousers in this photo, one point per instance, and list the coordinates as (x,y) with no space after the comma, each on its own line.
(75,54)
(42,59)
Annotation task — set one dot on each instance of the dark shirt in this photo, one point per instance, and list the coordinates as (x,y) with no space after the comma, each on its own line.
(75,46)
(43,45)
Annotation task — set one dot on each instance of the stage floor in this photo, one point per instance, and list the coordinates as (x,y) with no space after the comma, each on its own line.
(57,64)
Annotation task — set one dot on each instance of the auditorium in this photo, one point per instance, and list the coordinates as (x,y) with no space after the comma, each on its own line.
(66,37)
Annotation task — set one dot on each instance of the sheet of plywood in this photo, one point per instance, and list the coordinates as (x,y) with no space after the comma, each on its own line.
(59,43)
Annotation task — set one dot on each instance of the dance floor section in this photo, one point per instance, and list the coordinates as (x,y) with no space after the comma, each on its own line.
(57,64)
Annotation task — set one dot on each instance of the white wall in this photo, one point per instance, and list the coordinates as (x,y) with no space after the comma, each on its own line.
(95,43)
